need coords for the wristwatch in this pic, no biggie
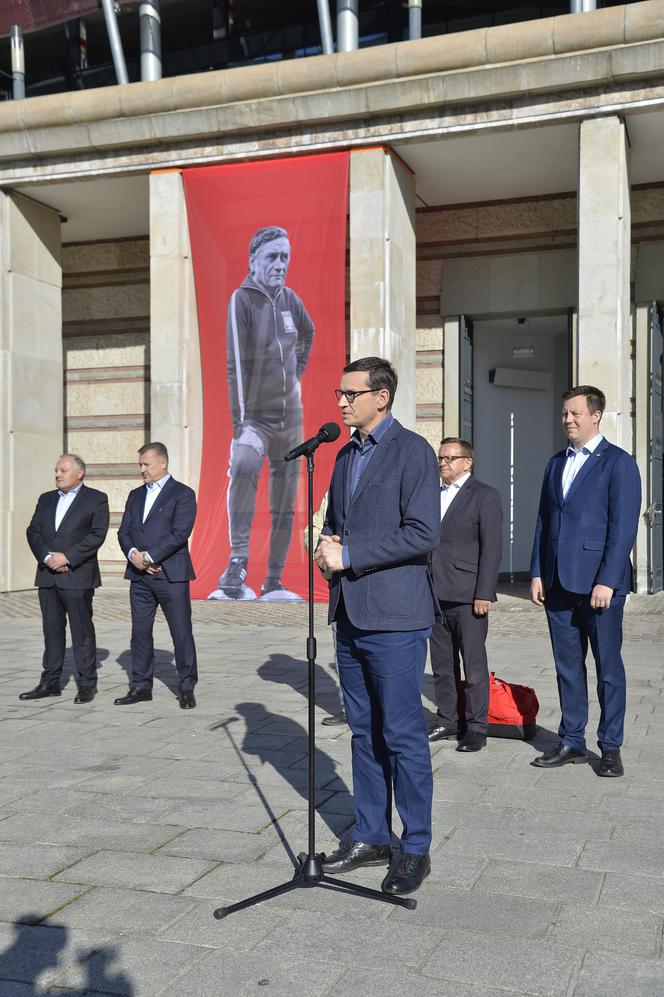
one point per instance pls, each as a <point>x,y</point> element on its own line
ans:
<point>147,560</point>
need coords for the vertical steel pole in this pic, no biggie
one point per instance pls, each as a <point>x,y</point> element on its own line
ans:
<point>326,42</point>
<point>414,18</point>
<point>18,62</point>
<point>347,25</point>
<point>581,6</point>
<point>150,22</point>
<point>115,41</point>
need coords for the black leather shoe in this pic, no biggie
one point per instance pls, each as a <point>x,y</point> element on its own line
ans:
<point>85,695</point>
<point>134,696</point>
<point>560,755</point>
<point>336,720</point>
<point>611,765</point>
<point>472,740</point>
<point>442,733</point>
<point>353,854</point>
<point>41,692</point>
<point>408,875</point>
<point>187,700</point>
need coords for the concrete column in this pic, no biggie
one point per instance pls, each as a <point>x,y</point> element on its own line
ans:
<point>382,268</point>
<point>31,379</point>
<point>176,391</point>
<point>604,321</point>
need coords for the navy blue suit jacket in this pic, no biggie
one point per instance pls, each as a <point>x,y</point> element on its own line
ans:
<point>588,536</point>
<point>390,525</point>
<point>79,536</point>
<point>165,532</point>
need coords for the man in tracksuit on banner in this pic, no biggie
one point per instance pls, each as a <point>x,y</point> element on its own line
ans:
<point>269,339</point>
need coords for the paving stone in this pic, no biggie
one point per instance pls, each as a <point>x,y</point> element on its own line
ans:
<point>343,935</point>
<point>90,835</point>
<point>359,982</point>
<point>541,882</point>
<point>459,872</point>
<point>129,966</point>
<point>29,901</point>
<point>238,977</point>
<point>479,913</point>
<point>604,928</point>
<point>221,846</point>
<point>621,856</point>
<point>514,845</point>
<point>119,911</point>
<point>37,861</point>
<point>642,893</point>
<point>162,873</point>
<point>39,955</point>
<point>605,973</point>
<point>239,932</point>
<point>250,819</point>
<point>575,826</point>
<point>504,963</point>
<point>632,807</point>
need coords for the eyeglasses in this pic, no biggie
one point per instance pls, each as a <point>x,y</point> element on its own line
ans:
<point>350,396</point>
<point>452,458</point>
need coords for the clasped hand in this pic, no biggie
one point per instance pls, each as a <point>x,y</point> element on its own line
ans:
<point>138,563</point>
<point>57,562</point>
<point>328,554</point>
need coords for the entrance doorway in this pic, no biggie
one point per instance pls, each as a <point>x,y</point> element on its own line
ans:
<point>521,367</point>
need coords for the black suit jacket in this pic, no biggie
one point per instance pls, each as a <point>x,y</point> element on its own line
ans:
<point>466,562</point>
<point>79,537</point>
<point>165,532</point>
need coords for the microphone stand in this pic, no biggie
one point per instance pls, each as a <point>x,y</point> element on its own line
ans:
<point>309,871</point>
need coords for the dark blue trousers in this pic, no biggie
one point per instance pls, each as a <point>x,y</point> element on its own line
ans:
<point>145,595</point>
<point>381,677</point>
<point>573,624</point>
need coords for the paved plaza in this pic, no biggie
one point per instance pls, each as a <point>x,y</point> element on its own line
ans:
<point>122,829</point>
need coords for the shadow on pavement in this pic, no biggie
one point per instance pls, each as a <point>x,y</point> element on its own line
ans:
<point>68,669</point>
<point>164,668</point>
<point>36,949</point>
<point>256,743</point>
<point>286,670</point>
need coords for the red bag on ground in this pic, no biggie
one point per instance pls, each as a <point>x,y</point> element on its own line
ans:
<point>512,709</point>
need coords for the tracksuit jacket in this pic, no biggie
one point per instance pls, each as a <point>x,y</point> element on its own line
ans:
<point>268,346</point>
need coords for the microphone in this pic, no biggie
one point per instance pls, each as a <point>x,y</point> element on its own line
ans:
<point>326,434</point>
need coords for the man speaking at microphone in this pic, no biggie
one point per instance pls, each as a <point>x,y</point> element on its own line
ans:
<point>382,521</point>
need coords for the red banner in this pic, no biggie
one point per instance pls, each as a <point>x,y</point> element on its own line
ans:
<point>269,250</point>
<point>32,15</point>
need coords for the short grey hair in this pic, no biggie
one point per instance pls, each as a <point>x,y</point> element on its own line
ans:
<point>78,461</point>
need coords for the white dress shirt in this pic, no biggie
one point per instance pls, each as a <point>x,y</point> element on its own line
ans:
<point>62,508</point>
<point>152,493</point>
<point>449,492</point>
<point>64,504</point>
<point>576,459</point>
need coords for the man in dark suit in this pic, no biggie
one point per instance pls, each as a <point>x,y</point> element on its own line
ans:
<point>581,573</point>
<point>382,521</point>
<point>68,528</point>
<point>154,532</point>
<point>465,567</point>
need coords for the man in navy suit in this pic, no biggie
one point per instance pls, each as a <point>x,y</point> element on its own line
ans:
<point>382,520</point>
<point>154,533</point>
<point>68,528</point>
<point>581,573</point>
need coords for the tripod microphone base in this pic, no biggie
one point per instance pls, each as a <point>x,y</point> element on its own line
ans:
<point>310,873</point>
